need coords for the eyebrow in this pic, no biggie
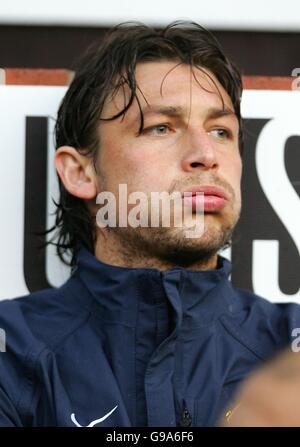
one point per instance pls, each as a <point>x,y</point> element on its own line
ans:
<point>163,110</point>
<point>212,113</point>
<point>219,113</point>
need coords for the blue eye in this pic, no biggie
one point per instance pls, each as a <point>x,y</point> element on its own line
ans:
<point>222,133</point>
<point>160,129</point>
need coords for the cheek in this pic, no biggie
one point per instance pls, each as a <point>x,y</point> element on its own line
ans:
<point>237,175</point>
<point>139,170</point>
<point>148,173</point>
<point>233,176</point>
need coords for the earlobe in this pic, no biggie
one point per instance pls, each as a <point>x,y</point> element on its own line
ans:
<point>75,172</point>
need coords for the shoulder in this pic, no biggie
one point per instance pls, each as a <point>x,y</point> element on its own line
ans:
<point>45,317</point>
<point>261,324</point>
<point>32,328</point>
<point>263,308</point>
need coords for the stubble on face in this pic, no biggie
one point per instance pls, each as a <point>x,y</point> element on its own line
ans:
<point>166,247</point>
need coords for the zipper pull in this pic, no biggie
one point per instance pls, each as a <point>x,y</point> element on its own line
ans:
<point>186,419</point>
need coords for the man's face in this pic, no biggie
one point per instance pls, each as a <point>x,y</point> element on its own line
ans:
<point>186,142</point>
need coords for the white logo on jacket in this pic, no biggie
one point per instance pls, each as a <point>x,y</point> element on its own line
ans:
<point>96,421</point>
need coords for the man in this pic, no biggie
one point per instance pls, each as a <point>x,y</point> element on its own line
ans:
<point>148,330</point>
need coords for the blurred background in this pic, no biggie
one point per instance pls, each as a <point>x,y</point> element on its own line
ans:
<point>262,37</point>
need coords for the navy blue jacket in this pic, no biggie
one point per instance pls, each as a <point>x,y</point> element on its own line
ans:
<point>117,346</point>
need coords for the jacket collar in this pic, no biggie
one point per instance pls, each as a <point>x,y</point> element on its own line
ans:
<point>197,297</point>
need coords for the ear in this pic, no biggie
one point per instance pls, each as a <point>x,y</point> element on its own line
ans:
<point>76,172</point>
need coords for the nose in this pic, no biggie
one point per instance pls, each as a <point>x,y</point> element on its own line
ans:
<point>200,152</point>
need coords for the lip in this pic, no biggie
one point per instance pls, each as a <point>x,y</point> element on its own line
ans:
<point>209,190</point>
<point>214,199</point>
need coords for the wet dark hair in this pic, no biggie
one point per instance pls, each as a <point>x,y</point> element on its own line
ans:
<point>105,68</point>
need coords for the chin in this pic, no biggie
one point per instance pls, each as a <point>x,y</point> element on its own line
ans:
<point>175,248</point>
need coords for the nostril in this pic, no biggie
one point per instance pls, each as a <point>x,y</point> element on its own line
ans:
<point>196,164</point>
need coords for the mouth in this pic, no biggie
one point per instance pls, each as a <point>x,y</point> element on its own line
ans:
<point>210,198</point>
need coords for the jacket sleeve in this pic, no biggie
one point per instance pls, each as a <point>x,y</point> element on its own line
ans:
<point>9,416</point>
<point>15,387</point>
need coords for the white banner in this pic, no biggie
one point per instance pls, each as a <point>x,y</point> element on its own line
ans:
<point>268,251</point>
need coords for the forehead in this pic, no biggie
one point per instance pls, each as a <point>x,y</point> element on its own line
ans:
<point>170,83</point>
